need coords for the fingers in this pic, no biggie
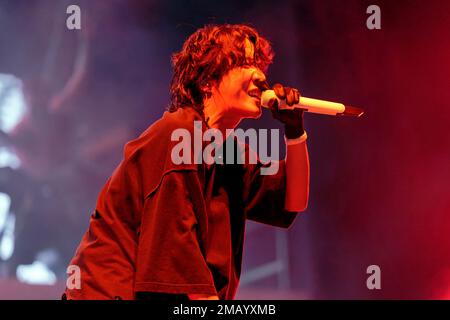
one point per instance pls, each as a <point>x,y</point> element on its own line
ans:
<point>279,91</point>
<point>297,95</point>
<point>291,95</point>
<point>292,118</point>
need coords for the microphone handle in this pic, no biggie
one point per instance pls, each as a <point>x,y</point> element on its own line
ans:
<point>313,105</point>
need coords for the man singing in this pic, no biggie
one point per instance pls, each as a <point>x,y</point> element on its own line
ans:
<point>162,230</point>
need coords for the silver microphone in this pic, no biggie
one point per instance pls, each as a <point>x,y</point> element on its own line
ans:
<point>312,105</point>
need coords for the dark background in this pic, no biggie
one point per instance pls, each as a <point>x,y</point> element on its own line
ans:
<point>379,184</point>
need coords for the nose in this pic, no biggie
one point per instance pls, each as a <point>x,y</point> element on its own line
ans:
<point>259,76</point>
<point>259,79</point>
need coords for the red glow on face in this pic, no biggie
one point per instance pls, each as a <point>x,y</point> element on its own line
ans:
<point>236,94</point>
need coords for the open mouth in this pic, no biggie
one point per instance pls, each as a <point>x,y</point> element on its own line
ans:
<point>255,93</point>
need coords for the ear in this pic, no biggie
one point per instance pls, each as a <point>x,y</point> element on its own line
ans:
<point>207,87</point>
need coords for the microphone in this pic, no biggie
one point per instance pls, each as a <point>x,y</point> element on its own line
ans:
<point>312,105</point>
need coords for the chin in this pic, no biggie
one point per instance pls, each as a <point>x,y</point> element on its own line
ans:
<point>252,112</point>
<point>256,114</point>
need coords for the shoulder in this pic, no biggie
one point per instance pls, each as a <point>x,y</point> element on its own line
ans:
<point>158,135</point>
<point>182,118</point>
<point>150,155</point>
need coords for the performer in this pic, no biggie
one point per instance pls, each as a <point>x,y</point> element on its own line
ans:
<point>175,231</point>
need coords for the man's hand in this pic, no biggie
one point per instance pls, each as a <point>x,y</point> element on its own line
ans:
<point>292,119</point>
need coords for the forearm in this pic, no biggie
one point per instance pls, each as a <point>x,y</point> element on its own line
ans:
<point>297,175</point>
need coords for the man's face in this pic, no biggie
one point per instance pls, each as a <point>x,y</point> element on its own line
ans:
<point>238,92</point>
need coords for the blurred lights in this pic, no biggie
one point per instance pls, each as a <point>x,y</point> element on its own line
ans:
<point>7,240</point>
<point>7,224</point>
<point>5,203</point>
<point>8,158</point>
<point>36,273</point>
<point>12,102</point>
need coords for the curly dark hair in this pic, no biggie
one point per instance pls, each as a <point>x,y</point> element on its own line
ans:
<point>207,55</point>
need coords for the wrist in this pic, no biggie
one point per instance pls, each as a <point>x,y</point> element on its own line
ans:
<point>291,142</point>
<point>293,132</point>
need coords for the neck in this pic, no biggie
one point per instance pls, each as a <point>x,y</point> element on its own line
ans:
<point>217,117</point>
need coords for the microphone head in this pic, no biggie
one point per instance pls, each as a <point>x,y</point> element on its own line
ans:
<point>266,96</point>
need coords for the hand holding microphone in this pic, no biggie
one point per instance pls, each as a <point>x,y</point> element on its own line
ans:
<point>287,105</point>
<point>292,118</point>
<point>307,104</point>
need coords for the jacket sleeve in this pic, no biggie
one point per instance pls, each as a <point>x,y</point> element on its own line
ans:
<point>170,257</point>
<point>264,195</point>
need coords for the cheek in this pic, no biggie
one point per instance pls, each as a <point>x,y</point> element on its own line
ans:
<point>235,90</point>
<point>234,87</point>
<point>239,80</point>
